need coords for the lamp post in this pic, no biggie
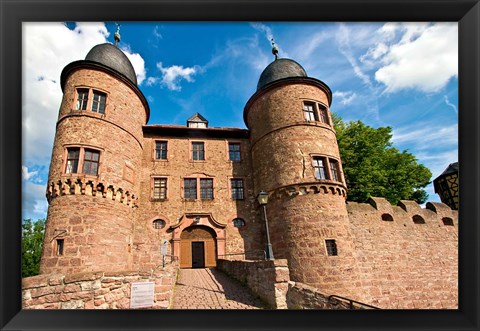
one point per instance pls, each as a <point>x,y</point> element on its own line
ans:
<point>263,200</point>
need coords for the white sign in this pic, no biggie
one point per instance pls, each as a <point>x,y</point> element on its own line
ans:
<point>163,249</point>
<point>142,295</point>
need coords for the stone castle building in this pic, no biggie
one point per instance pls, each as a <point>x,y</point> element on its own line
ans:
<point>120,189</point>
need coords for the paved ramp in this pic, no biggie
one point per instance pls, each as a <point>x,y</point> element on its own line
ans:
<point>211,289</point>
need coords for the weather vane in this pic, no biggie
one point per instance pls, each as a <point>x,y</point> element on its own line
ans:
<point>274,49</point>
<point>117,34</point>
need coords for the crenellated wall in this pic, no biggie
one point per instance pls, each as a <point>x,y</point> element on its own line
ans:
<point>407,255</point>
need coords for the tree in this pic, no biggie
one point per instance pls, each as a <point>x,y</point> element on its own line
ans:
<point>32,240</point>
<point>372,167</point>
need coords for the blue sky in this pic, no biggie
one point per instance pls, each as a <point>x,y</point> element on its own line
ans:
<point>402,75</point>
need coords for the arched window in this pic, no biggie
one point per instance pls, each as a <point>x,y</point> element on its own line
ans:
<point>387,218</point>
<point>447,221</point>
<point>417,219</point>
<point>159,224</point>
<point>238,223</point>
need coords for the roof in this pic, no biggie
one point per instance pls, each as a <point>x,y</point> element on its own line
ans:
<point>112,57</point>
<point>279,69</point>
<point>181,131</point>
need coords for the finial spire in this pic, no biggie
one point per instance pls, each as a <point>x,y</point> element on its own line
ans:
<point>116,36</point>
<point>274,49</point>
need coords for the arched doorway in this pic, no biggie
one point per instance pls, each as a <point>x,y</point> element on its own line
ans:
<point>198,247</point>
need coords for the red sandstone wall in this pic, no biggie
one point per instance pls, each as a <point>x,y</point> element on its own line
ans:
<point>95,239</point>
<point>94,214</point>
<point>403,264</point>
<point>223,208</point>
<point>101,290</point>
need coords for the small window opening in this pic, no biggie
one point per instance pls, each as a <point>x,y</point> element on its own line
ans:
<point>447,221</point>
<point>331,247</point>
<point>238,223</point>
<point>60,243</point>
<point>159,224</point>
<point>417,219</point>
<point>387,218</point>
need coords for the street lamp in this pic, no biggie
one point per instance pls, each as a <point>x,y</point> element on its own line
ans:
<point>263,200</point>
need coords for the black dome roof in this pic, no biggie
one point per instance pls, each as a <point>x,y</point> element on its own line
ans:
<point>278,69</point>
<point>112,57</point>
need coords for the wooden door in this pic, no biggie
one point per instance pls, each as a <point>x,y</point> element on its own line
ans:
<point>185,254</point>
<point>198,254</point>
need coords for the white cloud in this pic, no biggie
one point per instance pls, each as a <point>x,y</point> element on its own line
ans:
<point>447,101</point>
<point>26,175</point>
<point>173,75</point>
<point>267,31</point>
<point>345,98</point>
<point>156,32</point>
<point>345,47</point>
<point>34,202</point>
<point>138,64</point>
<point>426,136</point>
<point>425,58</point>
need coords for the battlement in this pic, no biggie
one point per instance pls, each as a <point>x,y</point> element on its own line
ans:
<point>408,213</point>
<point>325,187</point>
<point>86,186</point>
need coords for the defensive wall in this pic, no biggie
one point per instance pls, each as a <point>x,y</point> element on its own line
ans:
<point>96,290</point>
<point>407,256</point>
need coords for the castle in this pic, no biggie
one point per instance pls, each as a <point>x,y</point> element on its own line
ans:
<point>120,189</point>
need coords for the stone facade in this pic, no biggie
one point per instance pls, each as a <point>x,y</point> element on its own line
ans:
<point>139,205</point>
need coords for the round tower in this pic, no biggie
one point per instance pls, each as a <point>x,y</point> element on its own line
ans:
<point>92,180</point>
<point>296,160</point>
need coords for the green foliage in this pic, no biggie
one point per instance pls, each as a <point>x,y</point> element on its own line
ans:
<point>372,167</point>
<point>32,240</point>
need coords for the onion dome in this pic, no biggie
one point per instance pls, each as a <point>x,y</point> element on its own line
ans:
<point>279,69</point>
<point>112,57</point>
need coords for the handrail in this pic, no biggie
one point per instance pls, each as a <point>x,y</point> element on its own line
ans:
<point>335,300</point>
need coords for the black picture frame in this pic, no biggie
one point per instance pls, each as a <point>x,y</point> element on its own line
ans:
<point>13,13</point>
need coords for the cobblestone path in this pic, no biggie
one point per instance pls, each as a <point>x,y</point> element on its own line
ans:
<point>211,289</point>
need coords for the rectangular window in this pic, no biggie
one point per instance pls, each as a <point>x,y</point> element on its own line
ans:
<point>198,151</point>
<point>206,188</point>
<point>190,188</point>
<point>160,150</point>
<point>309,111</point>
<point>160,188</point>
<point>60,243</point>
<point>323,114</point>
<point>90,162</point>
<point>234,152</point>
<point>237,189</point>
<point>99,100</point>
<point>73,155</point>
<point>334,170</point>
<point>331,247</point>
<point>82,99</point>
<point>319,165</point>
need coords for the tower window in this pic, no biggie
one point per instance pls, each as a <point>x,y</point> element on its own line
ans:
<point>198,151</point>
<point>238,223</point>
<point>234,151</point>
<point>206,188</point>
<point>190,188</point>
<point>73,156</point>
<point>319,165</point>
<point>60,243</point>
<point>334,170</point>
<point>447,221</point>
<point>323,114</point>
<point>159,188</point>
<point>99,101</point>
<point>309,111</point>
<point>237,189</point>
<point>82,99</point>
<point>90,164</point>
<point>331,247</point>
<point>160,150</point>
